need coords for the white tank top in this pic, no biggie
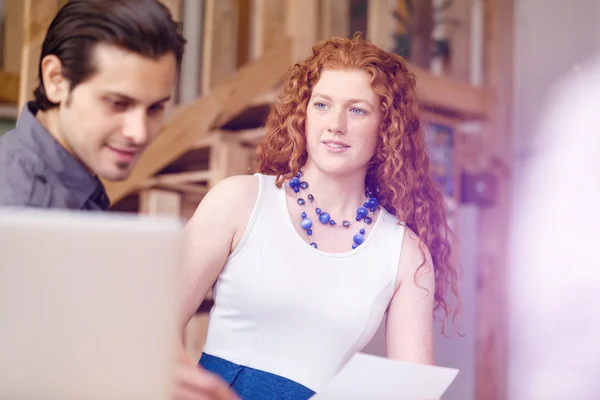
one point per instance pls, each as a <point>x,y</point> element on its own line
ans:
<point>284,307</point>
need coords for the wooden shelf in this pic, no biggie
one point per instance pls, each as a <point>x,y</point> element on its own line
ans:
<point>453,97</point>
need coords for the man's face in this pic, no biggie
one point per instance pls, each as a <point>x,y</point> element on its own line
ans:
<point>108,120</point>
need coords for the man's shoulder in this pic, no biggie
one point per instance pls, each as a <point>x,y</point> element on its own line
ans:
<point>23,177</point>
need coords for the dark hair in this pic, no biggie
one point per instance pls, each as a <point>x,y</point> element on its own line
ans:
<point>145,27</point>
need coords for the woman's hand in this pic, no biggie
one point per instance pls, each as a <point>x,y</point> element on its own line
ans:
<point>192,382</point>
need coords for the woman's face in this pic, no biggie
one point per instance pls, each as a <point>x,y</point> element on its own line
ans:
<point>342,121</point>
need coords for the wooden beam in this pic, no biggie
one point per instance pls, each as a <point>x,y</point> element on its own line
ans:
<point>228,158</point>
<point>178,178</point>
<point>381,25</point>
<point>160,202</point>
<point>254,80</point>
<point>302,26</point>
<point>267,98</point>
<point>194,190</point>
<point>205,141</point>
<point>447,94</point>
<point>227,99</point>
<point>9,87</point>
<point>189,190</point>
<point>493,262</point>
<point>37,16</point>
<point>13,36</point>
<point>267,24</point>
<point>421,35</point>
<point>334,19</point>
<point>246,136</point>
<point>460,39</point>
<point>219,55</point>
<point>244,31</point>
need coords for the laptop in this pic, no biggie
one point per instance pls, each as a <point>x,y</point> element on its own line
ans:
<point>88,305</point>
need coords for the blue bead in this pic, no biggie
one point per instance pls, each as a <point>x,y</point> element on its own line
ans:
<point>362,212</point>
<point>354,245</point>
<point>345,223</point>
<point>296,189</point>
<point>295,183</point>
<point>306,223</point>
<point>373,203</point>
<point>366,205</point>
<point>358,217</point>
<point>304,185</point>
<point>368,220</point>
<point>301,202</point>
<point>299,174</point>
<point>313,244</point>
<point>358,238</point>
<point>311,198</point>
<point>332,222</point>
<point>324,217</point>
<point>318,210</point>
<point>362,231</point>
<point>303,215</point>
<point>309,232</point>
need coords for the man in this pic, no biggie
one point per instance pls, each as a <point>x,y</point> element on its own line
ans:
<point>106,72</point>
<point>107,69</point>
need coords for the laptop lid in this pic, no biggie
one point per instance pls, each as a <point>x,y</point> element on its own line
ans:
<point>88,305</point>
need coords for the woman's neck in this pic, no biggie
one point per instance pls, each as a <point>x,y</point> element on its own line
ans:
<point>339,195</point>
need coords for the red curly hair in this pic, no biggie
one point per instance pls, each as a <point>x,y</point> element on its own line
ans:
<point>398,172</point>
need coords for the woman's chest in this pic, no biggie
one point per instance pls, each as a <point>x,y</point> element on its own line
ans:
<point>285,284</point>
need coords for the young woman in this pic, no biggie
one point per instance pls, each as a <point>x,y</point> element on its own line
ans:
<point>342,227</point>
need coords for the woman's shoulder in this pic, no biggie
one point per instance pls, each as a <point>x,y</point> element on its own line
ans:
<point>412,247</point>
<point>392,219</point>
<point>239,194</point>
<point>235,191</point>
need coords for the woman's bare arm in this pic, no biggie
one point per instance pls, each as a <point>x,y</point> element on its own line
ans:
<point>409,327</point>
<point>211,234</point>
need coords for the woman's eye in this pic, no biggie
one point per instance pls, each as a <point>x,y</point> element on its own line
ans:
<point>358,111</point>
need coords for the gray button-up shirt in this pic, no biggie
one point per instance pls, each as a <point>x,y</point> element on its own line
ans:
<point>36,171</point>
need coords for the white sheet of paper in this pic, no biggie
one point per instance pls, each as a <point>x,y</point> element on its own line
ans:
<point>370,377</point>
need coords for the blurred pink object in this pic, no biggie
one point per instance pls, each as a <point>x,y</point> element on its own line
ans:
<point>555,272</point>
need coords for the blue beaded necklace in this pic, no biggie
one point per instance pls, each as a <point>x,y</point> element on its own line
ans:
<point>363,212</point>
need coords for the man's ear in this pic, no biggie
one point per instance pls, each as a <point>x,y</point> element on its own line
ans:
<point>55,84</point>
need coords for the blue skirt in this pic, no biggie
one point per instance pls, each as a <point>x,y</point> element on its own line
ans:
<point>253,384</point>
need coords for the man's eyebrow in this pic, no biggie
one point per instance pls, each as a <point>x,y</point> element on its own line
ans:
<point>163,100</point>
<point>132,100</point>
<point>119,95</point>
